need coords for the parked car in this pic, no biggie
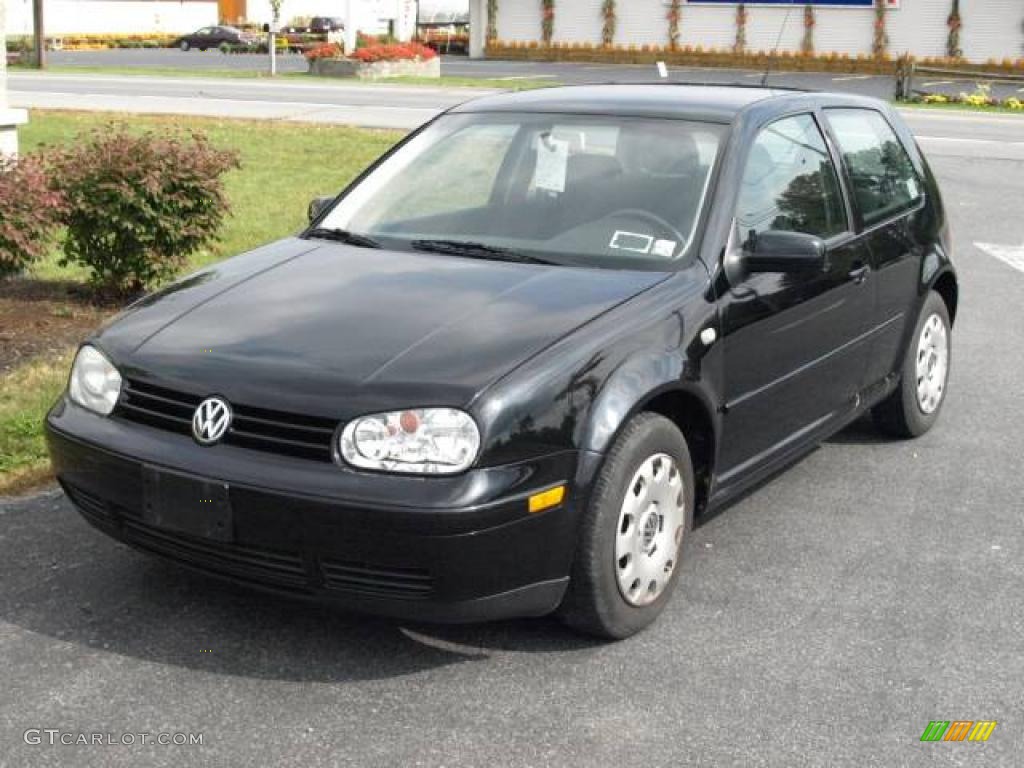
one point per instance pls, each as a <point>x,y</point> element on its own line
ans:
<point>214,37</point>
<point>324,24</point>
<point>630,305</point>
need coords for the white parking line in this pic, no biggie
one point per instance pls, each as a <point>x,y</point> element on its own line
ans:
<point>937,82</point>
<point>852,77</point>
<point>1010,254</point>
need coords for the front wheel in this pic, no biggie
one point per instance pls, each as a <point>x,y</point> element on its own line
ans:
<point>633,531</point>
<point>184,45</point>
<point>913,408</point>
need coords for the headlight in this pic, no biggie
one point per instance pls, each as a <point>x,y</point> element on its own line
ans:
<point>95,384</point>
<point>417,441</point>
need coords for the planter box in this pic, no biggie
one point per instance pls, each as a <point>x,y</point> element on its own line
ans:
<point>376,70</point>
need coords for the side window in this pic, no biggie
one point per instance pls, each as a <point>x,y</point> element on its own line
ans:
<point>790,182</point>
<point>883,179</point>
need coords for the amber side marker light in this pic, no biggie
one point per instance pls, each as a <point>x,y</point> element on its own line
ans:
<point>547,499</point>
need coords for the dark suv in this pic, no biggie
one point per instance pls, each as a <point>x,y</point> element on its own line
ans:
<point>323,24</point>
<point>504,371</point>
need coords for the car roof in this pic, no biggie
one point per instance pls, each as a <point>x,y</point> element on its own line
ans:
<point>710,103</point>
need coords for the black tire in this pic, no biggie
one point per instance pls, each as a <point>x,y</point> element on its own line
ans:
<point>593,603</point>
<point>184,45</point>
<point>900,414</point>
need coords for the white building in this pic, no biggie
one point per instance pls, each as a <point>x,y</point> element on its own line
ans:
<point>992,29</point>
<point>67,17</point>
<point>10,119</point>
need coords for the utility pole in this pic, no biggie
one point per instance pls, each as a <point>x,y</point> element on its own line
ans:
<point>273,50</point>
<point>38,34</point>
<point>275,26</point>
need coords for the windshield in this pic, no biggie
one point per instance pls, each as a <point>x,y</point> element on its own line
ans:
<point>578,190</point>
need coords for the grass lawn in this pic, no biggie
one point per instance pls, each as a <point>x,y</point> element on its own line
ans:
<point>284,165</point>
<point>25,397</point>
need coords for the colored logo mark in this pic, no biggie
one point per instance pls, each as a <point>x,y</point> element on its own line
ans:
<point>958,730</point>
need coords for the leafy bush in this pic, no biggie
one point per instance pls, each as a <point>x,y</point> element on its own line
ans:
<point>29,213</point>
<point>138,205</point>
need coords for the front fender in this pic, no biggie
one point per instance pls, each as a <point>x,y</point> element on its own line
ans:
<point>639,379</point>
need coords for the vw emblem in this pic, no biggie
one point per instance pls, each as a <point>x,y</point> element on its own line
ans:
<point>211,420</point>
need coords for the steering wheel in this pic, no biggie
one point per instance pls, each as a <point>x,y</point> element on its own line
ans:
<point>653,218</point>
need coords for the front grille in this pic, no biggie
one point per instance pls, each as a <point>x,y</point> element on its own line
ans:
<point>259,566</point>
<point>93,508</point>
<point>413,583</point>
<point>283,570</point>
<point>258,429</point>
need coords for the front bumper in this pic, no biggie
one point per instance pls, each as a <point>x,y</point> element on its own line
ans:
<point>444,549</point>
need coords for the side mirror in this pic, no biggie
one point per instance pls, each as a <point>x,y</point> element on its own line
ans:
<point>317,206</point>
<point>778,251</point>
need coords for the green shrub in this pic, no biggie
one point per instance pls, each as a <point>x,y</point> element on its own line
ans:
<point>29,213</point>
<point>138,205</point>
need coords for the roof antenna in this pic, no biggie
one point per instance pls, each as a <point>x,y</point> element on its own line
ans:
<point>778,42</point>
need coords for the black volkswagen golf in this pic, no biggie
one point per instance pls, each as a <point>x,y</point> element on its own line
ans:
<point>506,369</point>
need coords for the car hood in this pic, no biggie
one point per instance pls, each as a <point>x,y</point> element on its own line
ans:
<point>332,330</point>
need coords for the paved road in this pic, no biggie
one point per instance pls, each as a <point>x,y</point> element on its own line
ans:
<point>172,58</point>
<point>823,620</point>
<point>390,106</point>
<point>571,73</point>
<point>386,106</point>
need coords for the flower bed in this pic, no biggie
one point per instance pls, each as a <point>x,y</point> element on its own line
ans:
<point>374,60</point>
<point>92,42</point>
<point>980,97</point>
<point>710,57</point>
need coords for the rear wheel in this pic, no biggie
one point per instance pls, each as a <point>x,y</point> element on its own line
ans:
<point>914,407</point>
<point>633,531</point>
<point>184,45</point>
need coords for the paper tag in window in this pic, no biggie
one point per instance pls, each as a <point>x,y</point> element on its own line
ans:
<point>631,241</point>
<point>552,163</point>
<point>664,248</point>
<point>912,188</point>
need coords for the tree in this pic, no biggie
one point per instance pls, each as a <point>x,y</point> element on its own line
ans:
<point>954,22</point>
<point>674,15</point>
<point>609,23</point>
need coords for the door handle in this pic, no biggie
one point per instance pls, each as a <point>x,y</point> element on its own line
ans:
<point>859,274</point>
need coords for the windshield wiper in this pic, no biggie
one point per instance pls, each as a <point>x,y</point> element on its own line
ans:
<point>343,236</point>
<point>475,251</point>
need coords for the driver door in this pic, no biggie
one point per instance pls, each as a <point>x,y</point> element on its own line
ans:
<point>794,347</point>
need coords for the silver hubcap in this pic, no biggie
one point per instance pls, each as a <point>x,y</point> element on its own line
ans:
<point>650,530</point>
<point>932,363</point>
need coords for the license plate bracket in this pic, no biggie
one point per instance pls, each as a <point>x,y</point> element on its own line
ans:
<point>187,504</point>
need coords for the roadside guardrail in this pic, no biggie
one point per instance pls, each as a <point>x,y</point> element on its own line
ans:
<point>906,74</point>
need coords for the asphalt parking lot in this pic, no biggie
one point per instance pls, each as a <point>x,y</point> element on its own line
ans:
<point>823,620</point>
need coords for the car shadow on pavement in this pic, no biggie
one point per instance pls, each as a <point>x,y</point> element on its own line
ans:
<point>861,432</point>
<point>63,580</point>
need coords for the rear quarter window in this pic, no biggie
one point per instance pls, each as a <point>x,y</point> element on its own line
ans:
<point>882,177</point>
